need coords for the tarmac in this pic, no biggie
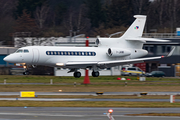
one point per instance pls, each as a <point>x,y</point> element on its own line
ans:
<point>82,113</point>
<point>83,99</point>
<point>90,99</point>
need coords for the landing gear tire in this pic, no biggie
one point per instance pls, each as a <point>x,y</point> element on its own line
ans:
<point>77,74</point>
<point>95,74</point>
<point>25,73</point>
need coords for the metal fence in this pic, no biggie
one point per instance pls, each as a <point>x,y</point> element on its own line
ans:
<point>161,35</point>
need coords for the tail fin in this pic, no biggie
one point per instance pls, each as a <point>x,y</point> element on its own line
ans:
<point>137,27</point>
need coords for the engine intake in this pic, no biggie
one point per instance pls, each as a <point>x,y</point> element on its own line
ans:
<point>116,52</point>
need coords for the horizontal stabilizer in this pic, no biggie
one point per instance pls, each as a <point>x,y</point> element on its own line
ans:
<point>146,39</point>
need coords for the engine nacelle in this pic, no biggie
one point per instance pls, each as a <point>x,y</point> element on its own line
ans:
<point>118,52</point>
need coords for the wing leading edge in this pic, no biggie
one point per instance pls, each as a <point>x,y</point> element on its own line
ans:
<point>108,63</point>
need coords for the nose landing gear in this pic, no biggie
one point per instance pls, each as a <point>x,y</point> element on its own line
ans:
<point>26,72</point>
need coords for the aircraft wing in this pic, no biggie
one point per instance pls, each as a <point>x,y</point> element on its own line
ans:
<point>81,63</point>
<point>124,62</point>
<point>105,64</point>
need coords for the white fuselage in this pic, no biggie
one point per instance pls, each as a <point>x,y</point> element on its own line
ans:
<point>51,55</point>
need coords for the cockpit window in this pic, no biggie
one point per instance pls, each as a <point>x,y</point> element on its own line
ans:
<point>22,51</point>
<point>19,51</point>
<point>26,51</point>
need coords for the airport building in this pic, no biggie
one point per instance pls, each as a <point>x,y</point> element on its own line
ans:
<point>169,65</point>
<point>4,66</point>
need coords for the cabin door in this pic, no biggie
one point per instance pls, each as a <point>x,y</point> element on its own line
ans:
<point>35,56</point>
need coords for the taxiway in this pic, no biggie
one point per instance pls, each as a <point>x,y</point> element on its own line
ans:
<point>82,113</point>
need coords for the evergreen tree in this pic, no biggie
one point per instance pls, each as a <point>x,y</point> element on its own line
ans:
<point>60,10</point>
<point>120,13</point>
<point>95,12</point>
<point>26,24</point>
<point>29,6</point>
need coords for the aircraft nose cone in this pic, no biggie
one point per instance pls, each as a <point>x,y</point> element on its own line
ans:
<point>7,59</point>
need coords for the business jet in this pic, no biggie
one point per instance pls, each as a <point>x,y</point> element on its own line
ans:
<point>109,52</point>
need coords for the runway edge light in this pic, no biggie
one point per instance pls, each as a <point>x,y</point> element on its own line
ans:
<point>110,110</point>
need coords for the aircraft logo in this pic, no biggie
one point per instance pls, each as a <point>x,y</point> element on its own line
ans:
<point>137,27</point>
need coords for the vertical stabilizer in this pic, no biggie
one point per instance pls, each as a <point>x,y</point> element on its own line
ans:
<point>137,27</point>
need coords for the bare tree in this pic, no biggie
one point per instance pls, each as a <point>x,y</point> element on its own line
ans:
<point>81,21</point>
<point>175,12</point>
<point>6,7</point>
<point>161,12</point>
<point>6,20</point>
<point>75,20</point>
<point>41,14</point>
<point>139,5</point>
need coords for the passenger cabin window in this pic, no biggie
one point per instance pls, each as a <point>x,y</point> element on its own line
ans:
<point>26,51</point>
<point>19,51</point>
<point>70,53</point>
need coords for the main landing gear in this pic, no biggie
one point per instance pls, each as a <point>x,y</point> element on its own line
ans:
<point>95,74</point>
<point>77,74</point>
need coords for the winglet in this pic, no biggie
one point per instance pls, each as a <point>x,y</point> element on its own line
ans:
<point>171,52</point>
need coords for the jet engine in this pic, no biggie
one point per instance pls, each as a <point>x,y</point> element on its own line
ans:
<point>117,52</point>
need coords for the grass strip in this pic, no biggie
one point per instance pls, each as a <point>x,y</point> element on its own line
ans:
<point>88,104</point>
<point>65,79</point>
<point>86,88</point>
<point>100,96</point>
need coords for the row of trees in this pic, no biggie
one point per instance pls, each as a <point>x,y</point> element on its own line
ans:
<point>90,17</point>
